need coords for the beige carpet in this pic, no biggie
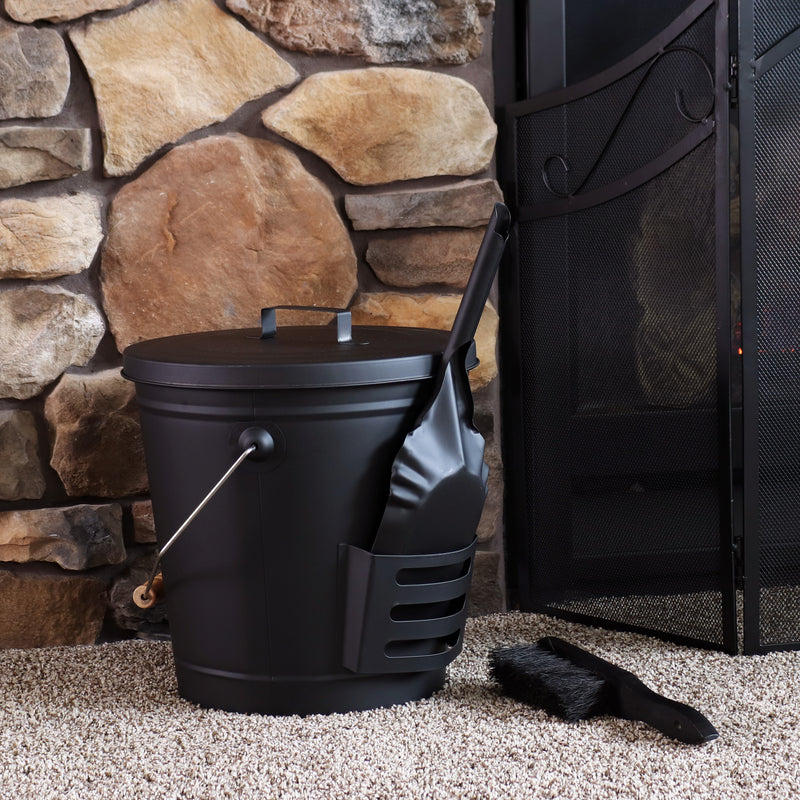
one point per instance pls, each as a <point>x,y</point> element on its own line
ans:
<point>106,722</point>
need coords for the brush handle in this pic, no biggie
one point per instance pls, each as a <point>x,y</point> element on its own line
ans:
<point>629,698</point>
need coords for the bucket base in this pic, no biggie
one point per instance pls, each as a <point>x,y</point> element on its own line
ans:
<point>318,694</point>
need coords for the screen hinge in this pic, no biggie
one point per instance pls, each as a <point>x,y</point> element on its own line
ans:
<point>738,558</point>
<point>733,79</point>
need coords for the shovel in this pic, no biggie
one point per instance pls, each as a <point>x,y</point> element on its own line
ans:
<point>438,480</point>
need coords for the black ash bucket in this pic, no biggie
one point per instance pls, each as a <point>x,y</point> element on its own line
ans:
<point>276,604</point>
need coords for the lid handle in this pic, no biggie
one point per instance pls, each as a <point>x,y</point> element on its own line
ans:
<point>344,322</point>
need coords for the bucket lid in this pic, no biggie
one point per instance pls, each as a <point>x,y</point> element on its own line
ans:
<point>296,356</point>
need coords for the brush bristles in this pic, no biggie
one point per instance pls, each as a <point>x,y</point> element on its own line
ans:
<point>542,679</point>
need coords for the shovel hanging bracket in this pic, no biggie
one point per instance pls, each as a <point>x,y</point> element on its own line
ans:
<point>404,613</point>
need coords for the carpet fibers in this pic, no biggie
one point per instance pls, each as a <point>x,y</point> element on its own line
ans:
<point>107,722</point>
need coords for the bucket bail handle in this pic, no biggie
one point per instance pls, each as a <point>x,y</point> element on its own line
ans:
<point>344,323</point>
<point>257,444</point>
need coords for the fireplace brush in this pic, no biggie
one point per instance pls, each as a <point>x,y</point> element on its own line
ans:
<point>570,683</point>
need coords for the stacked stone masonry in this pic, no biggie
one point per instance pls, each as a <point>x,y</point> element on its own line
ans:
<point>168,166</point>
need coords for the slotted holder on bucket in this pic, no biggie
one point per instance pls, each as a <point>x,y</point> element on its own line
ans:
<point>404,613</point>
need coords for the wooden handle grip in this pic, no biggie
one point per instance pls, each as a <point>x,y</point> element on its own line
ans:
<point>143,600</point>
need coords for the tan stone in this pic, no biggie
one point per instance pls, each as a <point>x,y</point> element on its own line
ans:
<point>168,68</point>
<point>467,204</point>
<point>492,515</point>
<point>388,123</point>
<point>44,330</point>
<point>216,230</point>
<point>431,311</point>
<point>400,32</point>
<point>420,259</point>
<point>96,439</point>
<point>44,609</point>
<point>144,527</point>
<point>42,154</point>
<point>74,537</point>
<point>49,236</point>
<point>21,473</point>
<point>34,71</point>
<point>57,10</point>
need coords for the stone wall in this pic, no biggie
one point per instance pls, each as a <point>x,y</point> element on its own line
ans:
<point>175,165</point>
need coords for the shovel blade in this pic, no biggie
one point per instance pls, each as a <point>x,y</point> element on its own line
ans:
<point>439,479</point>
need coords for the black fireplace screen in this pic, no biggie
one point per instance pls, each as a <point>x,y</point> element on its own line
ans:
<point>770,139</point>
<point>627,345</point>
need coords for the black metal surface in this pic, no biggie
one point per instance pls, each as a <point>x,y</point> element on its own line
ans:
<point>770,172</point>
<point>546,44</point>
<point>254,593</point>
<point>601,33</point>
<point>404,613</point>
<point>297,356</point>
<point>772,20</point>
<point>623,490</point>
<point>344,321</point>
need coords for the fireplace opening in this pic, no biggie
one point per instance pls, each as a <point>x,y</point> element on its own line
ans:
<point>650,318</point>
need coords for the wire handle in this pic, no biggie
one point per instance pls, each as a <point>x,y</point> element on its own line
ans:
<point>142,595</point>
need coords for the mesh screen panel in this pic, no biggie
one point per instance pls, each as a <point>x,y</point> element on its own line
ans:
<point>773,19</point>
<point>639,536</point>
<point>618,335</point>
<point>777,175</point>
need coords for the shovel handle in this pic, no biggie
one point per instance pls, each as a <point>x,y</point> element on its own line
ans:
<point>480,282</point>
